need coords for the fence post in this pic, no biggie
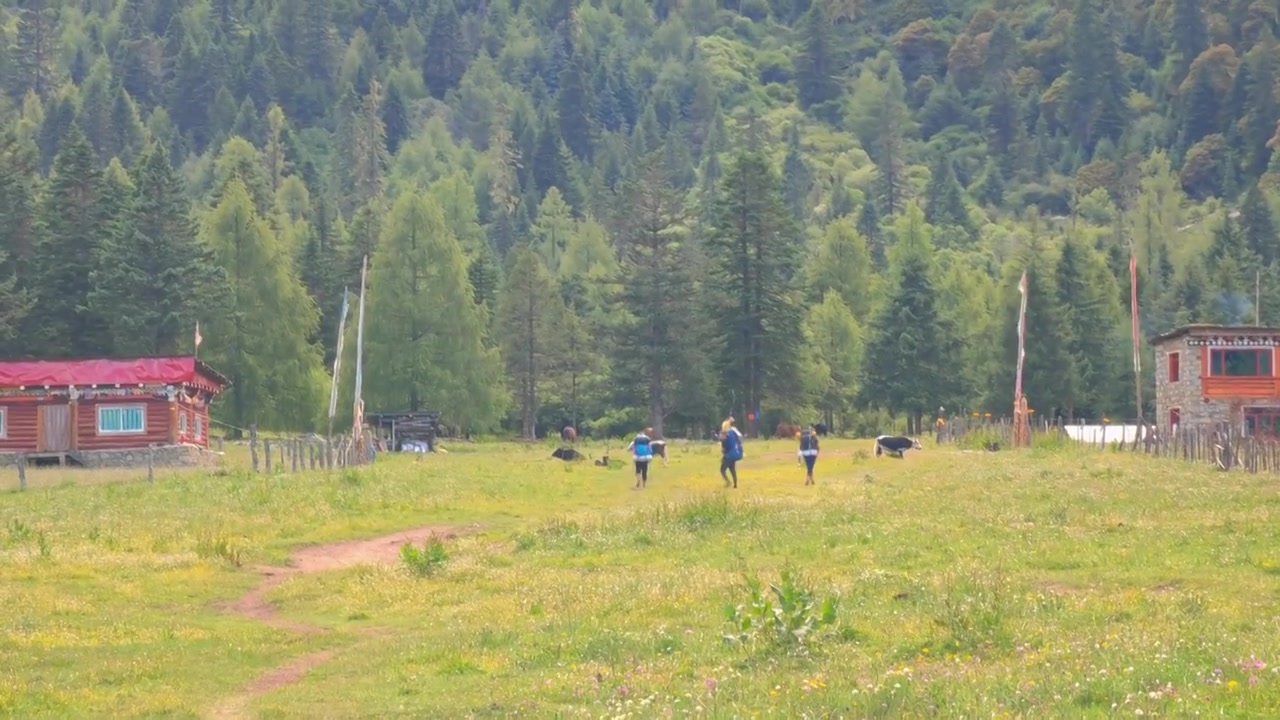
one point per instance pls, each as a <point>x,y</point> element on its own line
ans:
<point>22,472</point>
<point>311,453</point>
<point>219,444</point>
<point>151,463</point>
<point>266,447</point>
<point>293,455</point>
<point>253,446</point>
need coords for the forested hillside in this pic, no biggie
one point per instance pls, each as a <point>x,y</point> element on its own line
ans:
<point>616,210</point>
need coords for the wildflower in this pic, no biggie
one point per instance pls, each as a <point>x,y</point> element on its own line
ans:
<point>710,684</point>
<point>1232,685</point>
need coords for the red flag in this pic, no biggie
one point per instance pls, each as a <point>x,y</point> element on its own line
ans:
<point>1022,336</point>
<point>1133,315</point>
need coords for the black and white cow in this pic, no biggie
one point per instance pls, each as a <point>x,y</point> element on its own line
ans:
<point>895,445</point>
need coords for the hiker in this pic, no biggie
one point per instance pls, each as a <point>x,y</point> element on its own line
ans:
<point>731,452</point>
<point>808,452</point>
<point>642,449</point>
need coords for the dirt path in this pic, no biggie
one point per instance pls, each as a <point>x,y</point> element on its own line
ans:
<point>310,559</point>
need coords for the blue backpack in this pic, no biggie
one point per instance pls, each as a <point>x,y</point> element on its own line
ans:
<point>643,448</point>
<point>732,444</point>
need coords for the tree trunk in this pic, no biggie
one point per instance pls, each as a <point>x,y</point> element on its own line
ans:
<point>656,411</point>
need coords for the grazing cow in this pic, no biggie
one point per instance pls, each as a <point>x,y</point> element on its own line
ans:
<point>821,429</point>
<point>660,450</point>
<point>786,430</point>
<point>567,454</point>
<point>568,434</point>
<point>895,445</point>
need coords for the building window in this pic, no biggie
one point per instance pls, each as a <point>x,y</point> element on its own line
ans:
<point>1175,366</point>
<point>120,419</point>
<point>199,427</point>
<point>1175,416</point>
<point>1252,362</point>
<point>1262,422</point>
<point>4,423</point>
<point>182,423</point>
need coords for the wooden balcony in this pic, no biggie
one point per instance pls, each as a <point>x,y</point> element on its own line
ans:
<point>1244,388</point>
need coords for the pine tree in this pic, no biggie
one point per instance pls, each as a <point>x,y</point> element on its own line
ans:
<point>575,107</point>
<point>371,158</point>
<point>945,197</point>
<point>838,343</point>
<point>260,341</point>
<point>842,266</point>
<point>529,312</point>
<point>1086,298</point>
<point>61,323</point>
<point>909,331</point>
<point>446,58</point>
<point>34,59</point>
<point>428,345</point>
<point>658,353</point>
<point>1258,224</point>
<point>754,256</point>
<point>158,278</point>
<point>816,67</point>
<point>1190,35</point>
<point>395,119</point>
<point>797,176</point>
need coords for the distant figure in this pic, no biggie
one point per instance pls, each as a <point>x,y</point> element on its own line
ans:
<point>731,452</point>
<point>569,435</point>
<point>821,429</point>
<point>895,445</point>
<point>642,452</point>
<point>809,452</point>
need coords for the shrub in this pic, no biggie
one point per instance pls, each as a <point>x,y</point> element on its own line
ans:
<point>785,619</point>
<point>426,561</point>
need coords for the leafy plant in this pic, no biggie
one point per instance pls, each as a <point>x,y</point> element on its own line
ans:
<point>425,561</point>
<point>787,617</point>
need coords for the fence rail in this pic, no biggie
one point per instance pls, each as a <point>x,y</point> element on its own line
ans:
<point>1220,446</point>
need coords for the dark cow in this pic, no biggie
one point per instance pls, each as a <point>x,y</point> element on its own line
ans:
<point>567,454</point>
<point>895,445</point>
<point>821,429</point>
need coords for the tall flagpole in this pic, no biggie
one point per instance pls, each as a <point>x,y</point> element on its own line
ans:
<point>357,425</point>
<point>337,360</point>
<point>1021,427</point>
<point>1137,342</point>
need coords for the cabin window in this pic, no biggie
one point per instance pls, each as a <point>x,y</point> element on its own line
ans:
<point>1248,362</point>
<point>1262,422</point>
<point>182,423</point>
<point>1175,366</point>
<point>4,424</point>
<point>199,427</point>
<point>116,419</point>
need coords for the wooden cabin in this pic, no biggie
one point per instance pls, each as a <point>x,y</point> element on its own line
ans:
<point>1211,375</point>
<point>61,407</point>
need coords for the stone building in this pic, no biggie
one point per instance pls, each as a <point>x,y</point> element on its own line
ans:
<point>1208,375</point>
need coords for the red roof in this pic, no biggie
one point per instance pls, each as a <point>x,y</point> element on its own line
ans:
<point>134,371</point>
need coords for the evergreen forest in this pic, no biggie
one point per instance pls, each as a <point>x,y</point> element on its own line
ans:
<point>622,213</point>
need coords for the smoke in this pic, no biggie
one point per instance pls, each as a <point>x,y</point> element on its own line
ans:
<point>1235,307</point>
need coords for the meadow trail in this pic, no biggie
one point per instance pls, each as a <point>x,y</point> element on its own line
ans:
<point>306,560</point>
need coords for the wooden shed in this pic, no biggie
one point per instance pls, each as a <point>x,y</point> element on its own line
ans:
<point>60,407</point>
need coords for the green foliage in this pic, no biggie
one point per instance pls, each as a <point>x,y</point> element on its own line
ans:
<point>787,617</point>
<point>1118,126</point>
<point>427,560</point>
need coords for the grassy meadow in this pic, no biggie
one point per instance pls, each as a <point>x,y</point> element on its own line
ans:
<point>1054,582</point>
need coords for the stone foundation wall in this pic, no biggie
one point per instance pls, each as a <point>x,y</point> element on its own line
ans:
<point>165,456</point>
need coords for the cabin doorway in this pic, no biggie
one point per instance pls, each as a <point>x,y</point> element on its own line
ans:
<point>55,428</point>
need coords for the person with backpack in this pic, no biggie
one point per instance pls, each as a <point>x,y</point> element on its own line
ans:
<point>731,452</point>
<point>808,452</point>
<point>642,452</point>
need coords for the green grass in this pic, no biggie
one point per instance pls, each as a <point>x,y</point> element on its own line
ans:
<point>1053,582</point>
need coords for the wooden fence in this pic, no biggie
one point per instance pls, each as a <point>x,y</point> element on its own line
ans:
<point>1220,446</point>
<point>309,452</point>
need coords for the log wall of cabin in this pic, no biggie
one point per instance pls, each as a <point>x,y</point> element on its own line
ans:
<point>156,424</point>
<point>19,426</point>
